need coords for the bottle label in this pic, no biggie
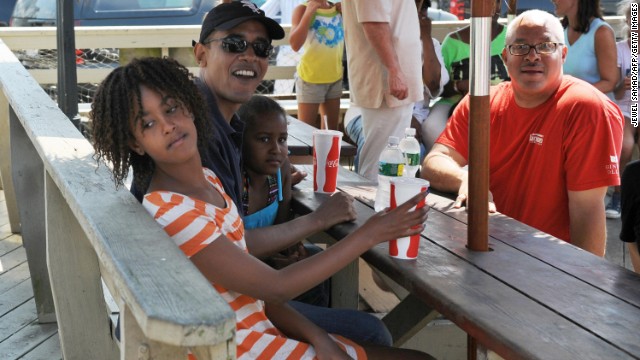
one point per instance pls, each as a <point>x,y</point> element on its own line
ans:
<point>388,169</point>
<point>412,159</point>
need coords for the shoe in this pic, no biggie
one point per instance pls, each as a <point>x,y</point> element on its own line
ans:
<point>612,211</point>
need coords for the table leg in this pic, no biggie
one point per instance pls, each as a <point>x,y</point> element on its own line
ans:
<point>407,318</point>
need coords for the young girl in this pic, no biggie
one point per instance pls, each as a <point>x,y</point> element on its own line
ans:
<point>149,115</point>
<point>316,26</point>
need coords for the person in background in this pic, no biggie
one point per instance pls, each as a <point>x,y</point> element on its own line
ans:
<point>286,56</point>
<point>316,27</point>
<point>590,42</point>
<point>383,54</point>
<point>434,77</point>
<point>555,141</point>
<point>622,95</point>
<point>150,115</point>
<point>456,53</point>
<point>630,231</point>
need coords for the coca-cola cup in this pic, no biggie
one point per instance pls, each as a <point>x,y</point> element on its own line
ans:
<point>326,159</point>
<point>401,190</point>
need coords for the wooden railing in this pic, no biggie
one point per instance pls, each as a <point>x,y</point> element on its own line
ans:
<point>174,41</point>
<point>79,231</point>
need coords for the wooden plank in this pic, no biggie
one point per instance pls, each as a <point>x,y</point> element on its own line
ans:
<point>609,277</point>
<point>14,277</point>
<point>407,318</point>
<point>5,166</point>
<point>304,133</point>
<point>17,319</point>
<point>379,300</point>
<point>29,334</point>
<point>48,350</point>
<point>9,244</point>
<point>76,284</point>
<point>15,296</point>
<point>12,260</point>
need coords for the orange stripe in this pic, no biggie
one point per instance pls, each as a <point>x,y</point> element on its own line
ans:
<point>360,353</point>
<point>253,319</point>
<point>241,301</point>
<point>299,350</point>
<point>248,343</point>
<point>193,245</point>
<point>181,222</point>
<point>272,349</point>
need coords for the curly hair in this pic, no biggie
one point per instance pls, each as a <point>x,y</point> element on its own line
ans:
<point>117,105</point>
<point>586,10</point>
<point>257,108</point>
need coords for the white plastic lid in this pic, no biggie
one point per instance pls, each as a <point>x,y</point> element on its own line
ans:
<point>410,131</point>
<point>393,140</point>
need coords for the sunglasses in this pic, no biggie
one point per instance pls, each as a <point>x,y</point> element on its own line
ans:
<point>237,45</point>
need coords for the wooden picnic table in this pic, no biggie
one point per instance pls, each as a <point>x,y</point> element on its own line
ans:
<point>300,139</point>
<point>531,297</point>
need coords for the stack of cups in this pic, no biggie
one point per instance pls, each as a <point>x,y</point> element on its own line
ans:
<point>403,189</point>
<point>326,160</point>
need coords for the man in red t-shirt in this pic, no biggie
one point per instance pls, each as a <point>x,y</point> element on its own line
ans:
<point>555,141</point>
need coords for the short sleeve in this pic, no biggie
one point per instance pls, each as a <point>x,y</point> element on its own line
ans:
<point>186,221</point>
<point>373,10</point>
<point>456,133</point>
<point>591,160</point>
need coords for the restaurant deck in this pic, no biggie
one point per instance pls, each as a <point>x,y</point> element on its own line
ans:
<point>21,337</point>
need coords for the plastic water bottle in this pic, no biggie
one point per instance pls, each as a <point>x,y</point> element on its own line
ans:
<point>391,164</point>
<point>411,150</point>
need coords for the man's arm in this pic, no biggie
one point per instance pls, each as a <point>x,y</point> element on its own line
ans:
<point>379,35</point>
<point>587,220</point>
<point>430,64</point>
<point>443,168</point>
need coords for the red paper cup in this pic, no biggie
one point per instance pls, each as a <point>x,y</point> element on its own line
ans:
<point>326,159</point>
<point>403,189</point>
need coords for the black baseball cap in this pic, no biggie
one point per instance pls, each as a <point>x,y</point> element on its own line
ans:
<point>229,15</point>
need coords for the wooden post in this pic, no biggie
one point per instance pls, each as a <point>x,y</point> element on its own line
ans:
<point>481,13</point>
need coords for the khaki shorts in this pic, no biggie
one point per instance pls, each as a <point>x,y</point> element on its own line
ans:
<point>309,93</point>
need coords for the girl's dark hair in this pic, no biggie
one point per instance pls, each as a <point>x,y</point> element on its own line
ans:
<point>256,108</point>
<point>117,106</point>
<point>586,10</point>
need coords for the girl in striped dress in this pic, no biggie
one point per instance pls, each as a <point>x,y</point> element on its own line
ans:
<point>149,115</point>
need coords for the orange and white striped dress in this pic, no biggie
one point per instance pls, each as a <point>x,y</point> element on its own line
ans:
<point>193,224</point>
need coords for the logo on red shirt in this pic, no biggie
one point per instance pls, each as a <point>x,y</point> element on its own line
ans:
<point>536,139</point>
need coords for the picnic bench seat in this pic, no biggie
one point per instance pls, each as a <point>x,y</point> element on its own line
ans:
<point>78,231</point>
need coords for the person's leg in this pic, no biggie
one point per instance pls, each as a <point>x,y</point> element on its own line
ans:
<point>308,113</point>
<point>353,129</point>
<point>380,353</point>
<point>355,325</point>
<point>378,125</point>
<point>331,105</point>
<point>331,108</point>
<point>435,122</point>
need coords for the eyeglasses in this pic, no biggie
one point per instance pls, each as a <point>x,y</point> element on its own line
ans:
<point>542,48</point>
<point>237,45</point>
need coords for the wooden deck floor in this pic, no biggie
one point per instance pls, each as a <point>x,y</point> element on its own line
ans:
<point>22,337</point>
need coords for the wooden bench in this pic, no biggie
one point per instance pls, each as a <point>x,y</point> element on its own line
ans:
<point>78,231</point>
<point>531,297</point>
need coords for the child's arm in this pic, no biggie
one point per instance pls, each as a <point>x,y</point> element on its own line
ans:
<point>300,22</point>
<point>294,325</point>
<point>226,264</point>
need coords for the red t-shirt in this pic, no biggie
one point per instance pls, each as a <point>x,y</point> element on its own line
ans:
<point>570,142</point>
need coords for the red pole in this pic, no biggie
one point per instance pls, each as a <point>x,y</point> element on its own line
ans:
<point>478,231</point>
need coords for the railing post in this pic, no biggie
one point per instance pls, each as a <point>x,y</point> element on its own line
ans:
<point>83,321</point>
<point>28,181</point>
<point>5,166</point>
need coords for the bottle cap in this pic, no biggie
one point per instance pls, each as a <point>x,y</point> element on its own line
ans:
<point>393,140</point>
<point>410,131</point>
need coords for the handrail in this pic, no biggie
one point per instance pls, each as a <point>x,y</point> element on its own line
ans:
<point>69,210</point>
<point>164,37</point>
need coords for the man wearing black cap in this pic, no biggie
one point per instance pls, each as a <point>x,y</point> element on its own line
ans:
<point>232,53</point>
